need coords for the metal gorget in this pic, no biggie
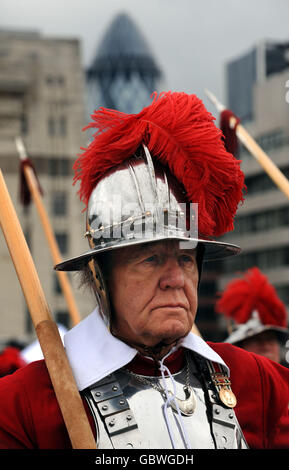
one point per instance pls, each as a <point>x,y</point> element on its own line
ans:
<point>186,405</point>
<point>129,413</point>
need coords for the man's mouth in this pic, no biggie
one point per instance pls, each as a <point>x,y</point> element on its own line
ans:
<point>171,306</point>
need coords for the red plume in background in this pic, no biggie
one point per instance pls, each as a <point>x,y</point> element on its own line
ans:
<point>252,292</point>
<point>180,133</point>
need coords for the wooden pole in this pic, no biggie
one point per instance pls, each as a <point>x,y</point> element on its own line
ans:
<point>62,276</point>
<point>262,158</point>
<point>62,378</point>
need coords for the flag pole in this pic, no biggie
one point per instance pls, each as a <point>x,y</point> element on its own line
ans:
<point>258,153</point>
<point>35,193</point>
<point>61,375</point>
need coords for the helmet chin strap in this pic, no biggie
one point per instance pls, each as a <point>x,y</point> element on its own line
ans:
<point>159,347</point>
<point>100,289</point>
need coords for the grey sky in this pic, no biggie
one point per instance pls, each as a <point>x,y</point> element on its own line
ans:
<point>191,39</point>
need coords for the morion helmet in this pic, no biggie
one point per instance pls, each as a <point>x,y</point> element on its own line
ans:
<point>159,174</point>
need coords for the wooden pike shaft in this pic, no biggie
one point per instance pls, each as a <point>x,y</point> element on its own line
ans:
<point>50,341</point>
<point>258,153</point>
<point>62,276</point>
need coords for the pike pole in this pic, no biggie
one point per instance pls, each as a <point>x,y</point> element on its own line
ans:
<point>35,193</point>
<point>61,375</point>
<point>262,158</point>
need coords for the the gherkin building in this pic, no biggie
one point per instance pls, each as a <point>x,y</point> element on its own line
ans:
<point>123,73</point>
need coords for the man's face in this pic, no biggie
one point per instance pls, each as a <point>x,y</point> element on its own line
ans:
<point>266,344</point>
<point>153,290</point>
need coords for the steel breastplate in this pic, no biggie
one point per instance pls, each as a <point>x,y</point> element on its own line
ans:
<point>129,413</point>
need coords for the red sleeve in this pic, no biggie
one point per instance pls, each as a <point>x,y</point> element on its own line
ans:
<point>29,413</point>
<point>275,384</point>
<point>16,424</point>
<point>30,417</point>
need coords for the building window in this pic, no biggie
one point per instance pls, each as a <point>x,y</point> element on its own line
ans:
<point>264,259</point>
<point>59,203</point>
<point>62,126</point>
<point>56,285</point>
<point>259,183</point>
<point>53,167</point>
<point>261,221</point>
<point>51,126</point>
<point>57,127</point>
<point>53,80</point>
<point>60,80</point>
<point>64,166</point>
<point>270,141</point>
<point>283,293</point>
<point>62,241</point>
<point>59,167</point>
<point>49,80</point>
<point>24,124</point>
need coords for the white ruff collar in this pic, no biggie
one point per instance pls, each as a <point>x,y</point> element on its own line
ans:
<point>93,352</point>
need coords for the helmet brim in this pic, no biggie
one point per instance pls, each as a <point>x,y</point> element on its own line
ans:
<point>213,250</point>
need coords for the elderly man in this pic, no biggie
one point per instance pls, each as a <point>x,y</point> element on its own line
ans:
<point>158,186</point>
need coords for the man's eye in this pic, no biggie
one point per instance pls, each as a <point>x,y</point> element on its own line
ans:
<point>151,259</point>
<point>187,259</point>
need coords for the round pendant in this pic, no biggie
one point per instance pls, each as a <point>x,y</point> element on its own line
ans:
<point>187,406</point>
<point>227,397</point>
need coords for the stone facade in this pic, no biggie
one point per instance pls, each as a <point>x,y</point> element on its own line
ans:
<point>42,99</point>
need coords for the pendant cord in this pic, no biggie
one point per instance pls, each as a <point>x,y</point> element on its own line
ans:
<point>171,397</point>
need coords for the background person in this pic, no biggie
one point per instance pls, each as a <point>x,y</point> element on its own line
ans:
<point>258,318</point>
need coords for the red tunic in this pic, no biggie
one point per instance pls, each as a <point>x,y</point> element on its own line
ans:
<point>30,416</point>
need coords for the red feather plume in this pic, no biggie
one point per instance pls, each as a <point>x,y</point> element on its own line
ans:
<point>252,292</point>
<point>180,133</point>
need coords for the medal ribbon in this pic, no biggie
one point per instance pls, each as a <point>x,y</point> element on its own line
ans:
<point>222,383</point>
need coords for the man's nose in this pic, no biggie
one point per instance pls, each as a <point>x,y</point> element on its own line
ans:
<point>172,275</point>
